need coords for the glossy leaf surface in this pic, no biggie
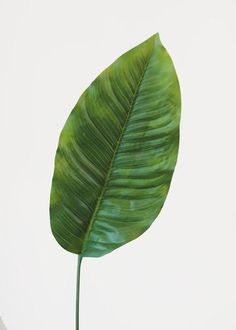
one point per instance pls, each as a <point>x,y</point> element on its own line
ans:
<point>116,153</point>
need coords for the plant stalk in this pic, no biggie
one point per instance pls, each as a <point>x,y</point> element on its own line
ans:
<point>78,292</point>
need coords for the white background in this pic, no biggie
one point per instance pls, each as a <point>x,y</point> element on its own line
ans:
<point>181,273</point>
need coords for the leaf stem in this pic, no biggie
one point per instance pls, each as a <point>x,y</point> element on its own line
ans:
<point>78,292</point>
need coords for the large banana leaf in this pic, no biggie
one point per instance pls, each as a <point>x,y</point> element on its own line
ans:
<point>117,152</point>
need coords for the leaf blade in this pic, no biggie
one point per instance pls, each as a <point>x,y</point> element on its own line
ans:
<point>124,128</point>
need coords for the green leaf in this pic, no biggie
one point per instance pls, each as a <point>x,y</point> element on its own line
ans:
<point>116,153</point>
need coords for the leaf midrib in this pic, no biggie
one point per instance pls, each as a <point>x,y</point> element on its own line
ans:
<point>100,198</point>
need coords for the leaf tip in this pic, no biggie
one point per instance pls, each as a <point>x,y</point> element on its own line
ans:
<point>155,36</point>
